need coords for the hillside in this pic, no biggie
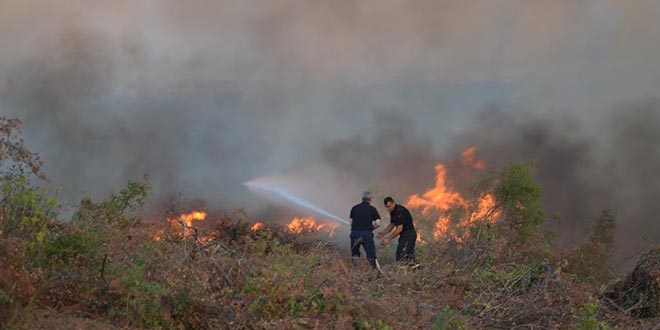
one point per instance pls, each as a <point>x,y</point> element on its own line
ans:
<point>486,262</point>
<point>107,270</point>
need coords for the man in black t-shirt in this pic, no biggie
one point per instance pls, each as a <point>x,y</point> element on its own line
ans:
<point>401,224</point>
<point>364,219</point>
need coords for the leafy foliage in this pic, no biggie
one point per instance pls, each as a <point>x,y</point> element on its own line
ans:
<point>590,260</point>
<point>588,316</point>
<point>25,209</point>
<point>13,149</point>
<point>24,214</point>
<point>518,198</point>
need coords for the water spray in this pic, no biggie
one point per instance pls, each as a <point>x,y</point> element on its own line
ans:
<point>294,199</point>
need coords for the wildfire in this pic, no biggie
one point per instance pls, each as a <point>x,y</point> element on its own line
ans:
<point>441,197</point>
<point>187,219</point>
<point>301,225</point>
<point>469,159</point>
<point>257,226</point>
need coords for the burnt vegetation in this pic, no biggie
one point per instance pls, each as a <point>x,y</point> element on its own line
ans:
<point>111,267</point>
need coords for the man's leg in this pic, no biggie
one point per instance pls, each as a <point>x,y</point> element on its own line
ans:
<point>370,248</point>
<point>406,249</point>
<point>409,247</point>
<point>356,241</point>
<point>400,248</point>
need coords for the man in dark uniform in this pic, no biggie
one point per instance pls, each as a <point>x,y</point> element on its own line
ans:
<point>401,224</point>
<point>364,219</point>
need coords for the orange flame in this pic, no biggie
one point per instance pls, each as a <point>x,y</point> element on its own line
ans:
<point>485,206</point>
<point>470,160</point>
<point>439,197</point>
<point>257,226</point>
<point>442,197</point>
<point>188,219</point>
<point>301,225</point>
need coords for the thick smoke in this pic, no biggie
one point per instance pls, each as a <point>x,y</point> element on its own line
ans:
<point>335,97</point>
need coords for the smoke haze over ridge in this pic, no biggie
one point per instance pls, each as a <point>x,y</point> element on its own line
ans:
<point>345,95</point>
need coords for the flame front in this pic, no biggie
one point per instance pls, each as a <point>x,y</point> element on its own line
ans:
<point>257,226</point>
<point>301,225</point>
<point>441,198</point>
<point>187,219</point>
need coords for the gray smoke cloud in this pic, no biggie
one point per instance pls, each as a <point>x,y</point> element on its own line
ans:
<point>336,97</point>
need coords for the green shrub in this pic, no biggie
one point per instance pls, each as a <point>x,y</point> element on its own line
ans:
<point>448,319</point>
<point>590,260</point>
<point>25,215</point>
<point>518,198</point>
<point>588,316</point>
<point>510,230</point>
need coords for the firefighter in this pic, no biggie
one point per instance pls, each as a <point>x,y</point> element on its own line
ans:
<point>364,219</point>
<point>401,225</point>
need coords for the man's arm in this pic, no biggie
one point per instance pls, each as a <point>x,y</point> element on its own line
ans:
<point>376,223</point>
<point>384,232</point>
<point>397,230</point>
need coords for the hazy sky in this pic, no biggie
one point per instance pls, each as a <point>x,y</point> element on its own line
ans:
<point>340,96</point>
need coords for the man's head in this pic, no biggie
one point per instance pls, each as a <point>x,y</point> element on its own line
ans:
<point>389,203</point>
<point>366,196</point>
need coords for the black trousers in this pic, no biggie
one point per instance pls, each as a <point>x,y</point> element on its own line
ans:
<point>405,251</point>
